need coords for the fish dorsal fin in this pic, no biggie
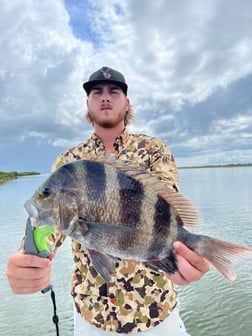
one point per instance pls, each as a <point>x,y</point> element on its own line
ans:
<point>188,215</point>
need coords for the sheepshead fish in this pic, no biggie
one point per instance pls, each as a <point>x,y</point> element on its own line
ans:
<point>117,211</point>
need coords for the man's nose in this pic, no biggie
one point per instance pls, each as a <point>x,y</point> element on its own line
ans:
<point>106,100</point>
<point>105,96</point>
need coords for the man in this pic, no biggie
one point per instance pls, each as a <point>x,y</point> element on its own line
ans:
<point>137,299</point>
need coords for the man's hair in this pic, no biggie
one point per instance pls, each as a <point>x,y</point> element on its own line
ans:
<point>129,116</point>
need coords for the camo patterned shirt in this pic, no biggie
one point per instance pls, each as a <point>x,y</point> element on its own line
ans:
<point>137,298</point>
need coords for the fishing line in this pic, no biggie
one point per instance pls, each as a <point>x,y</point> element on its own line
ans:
<point>55,317</point>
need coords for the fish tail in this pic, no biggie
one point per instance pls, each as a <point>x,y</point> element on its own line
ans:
<point>222,254</point>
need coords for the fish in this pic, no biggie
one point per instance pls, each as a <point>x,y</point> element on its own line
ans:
<point>119,211</point>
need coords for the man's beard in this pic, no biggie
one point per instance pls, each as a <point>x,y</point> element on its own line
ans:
<point>107,123</point>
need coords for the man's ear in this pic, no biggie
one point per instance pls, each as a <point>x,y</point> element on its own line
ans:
<point>128,103</point>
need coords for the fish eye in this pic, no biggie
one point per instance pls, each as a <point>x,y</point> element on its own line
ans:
<point>46,191</point>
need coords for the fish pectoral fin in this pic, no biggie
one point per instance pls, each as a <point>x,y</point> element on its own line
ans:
<point>167,264</point>
<point>103,264</point>
<point>103,227</point>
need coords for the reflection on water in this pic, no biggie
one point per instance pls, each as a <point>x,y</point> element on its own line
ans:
<point>209,307</point>
<point>212,306</point>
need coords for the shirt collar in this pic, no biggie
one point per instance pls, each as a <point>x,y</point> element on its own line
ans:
<point>120,140</point>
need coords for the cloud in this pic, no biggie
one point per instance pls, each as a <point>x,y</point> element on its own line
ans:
<point>40,64</point>
<point>188,65</point>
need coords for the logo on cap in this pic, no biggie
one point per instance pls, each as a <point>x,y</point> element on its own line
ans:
<point>106,74</point>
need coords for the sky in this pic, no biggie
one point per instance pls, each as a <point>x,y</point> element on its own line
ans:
<point>187,63</point>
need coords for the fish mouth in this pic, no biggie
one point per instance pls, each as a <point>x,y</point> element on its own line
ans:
<point>37,216</point>
<point>31,209</point>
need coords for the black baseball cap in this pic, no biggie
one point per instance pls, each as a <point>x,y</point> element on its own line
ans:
<point>106,74</point>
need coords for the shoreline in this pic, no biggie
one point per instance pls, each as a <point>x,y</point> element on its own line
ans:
<point>7,176</point>
<point>231,165</point>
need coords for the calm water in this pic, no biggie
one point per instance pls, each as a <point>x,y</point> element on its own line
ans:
<point>210,307</point>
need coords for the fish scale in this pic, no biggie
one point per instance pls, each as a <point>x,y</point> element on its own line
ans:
<point>118,211</point>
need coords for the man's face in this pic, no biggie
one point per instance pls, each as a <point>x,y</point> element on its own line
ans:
<point>107,105</point>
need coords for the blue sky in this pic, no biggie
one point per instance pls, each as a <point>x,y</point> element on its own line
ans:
<point>188,65</point>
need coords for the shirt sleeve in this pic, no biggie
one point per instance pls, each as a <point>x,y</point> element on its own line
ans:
<point>163,163</point>
<point>60,161</point>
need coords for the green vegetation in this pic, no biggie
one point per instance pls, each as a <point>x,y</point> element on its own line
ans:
<point>5,176</point>
<point>231,165</point>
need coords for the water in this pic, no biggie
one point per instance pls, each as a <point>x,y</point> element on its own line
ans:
<point>29,315</point>
<point>209,307</point>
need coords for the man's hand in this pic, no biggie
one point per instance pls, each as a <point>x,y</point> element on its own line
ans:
<point>191,266</point>
<point>28,273</point>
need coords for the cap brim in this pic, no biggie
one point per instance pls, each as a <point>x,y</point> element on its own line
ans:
<point>88,85</point>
